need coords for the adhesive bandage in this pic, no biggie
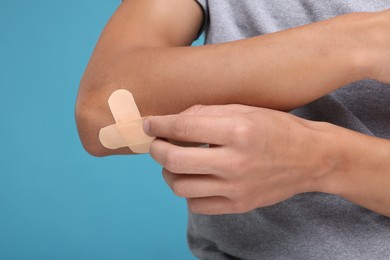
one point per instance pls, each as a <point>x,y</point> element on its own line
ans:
<point>128,130</point>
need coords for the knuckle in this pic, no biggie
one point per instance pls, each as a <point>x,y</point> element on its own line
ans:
<point>240,206</point>
<point>166,175</point>
<point>181,128</point>
<point>233,167</point>
<point>153,147</point>
<point>180,189</point>
<point>193,206</point>
<point>243,164</point>
<point>172,161</point>
<point>195,109</point>
<point>237,191</point>
<point>197,208</point>
<point>241,131</point>
<point>238,166</point>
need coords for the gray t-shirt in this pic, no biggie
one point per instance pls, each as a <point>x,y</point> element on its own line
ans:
<point>310,225</point>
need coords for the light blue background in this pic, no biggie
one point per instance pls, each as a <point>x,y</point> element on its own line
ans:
<point>56,201</point>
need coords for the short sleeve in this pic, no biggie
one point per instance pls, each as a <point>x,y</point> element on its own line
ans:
<point>204,5</point>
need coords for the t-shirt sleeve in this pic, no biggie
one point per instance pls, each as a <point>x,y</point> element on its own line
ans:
<point>203,4</point>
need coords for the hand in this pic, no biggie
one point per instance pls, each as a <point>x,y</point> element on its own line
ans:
<point>257,157</point>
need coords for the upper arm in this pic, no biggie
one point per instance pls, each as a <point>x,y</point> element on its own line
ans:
<point>135,24</point>
<point>141,24</point>
<point>152,23</point>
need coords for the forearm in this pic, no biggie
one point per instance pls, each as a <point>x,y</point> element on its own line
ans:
<point>281,71</point>
<point>360,168</point>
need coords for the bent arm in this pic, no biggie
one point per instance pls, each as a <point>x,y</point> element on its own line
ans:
<point>281,71</point>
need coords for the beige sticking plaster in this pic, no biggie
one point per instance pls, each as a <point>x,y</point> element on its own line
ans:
<point>128,130</point>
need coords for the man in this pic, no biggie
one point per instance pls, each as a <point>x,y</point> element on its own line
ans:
<point>303,188</point>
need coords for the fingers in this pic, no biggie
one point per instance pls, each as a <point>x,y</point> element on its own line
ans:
<point>193,186</point>
<point>195,129</point>
<point>179,159</point>
<point>205,194</point>
<point>216,205</point>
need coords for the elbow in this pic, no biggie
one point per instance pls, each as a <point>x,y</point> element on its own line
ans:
<point>92,111</point>
<point>91,114</point>
<point>86,135</point>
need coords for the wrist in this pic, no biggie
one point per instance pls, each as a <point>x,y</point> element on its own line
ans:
<point>330,158</point>
<point>347,160</point>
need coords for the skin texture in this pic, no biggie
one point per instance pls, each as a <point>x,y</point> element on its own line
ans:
<point>260,157</point>
<point>273,71</point>
<point>277,155</point>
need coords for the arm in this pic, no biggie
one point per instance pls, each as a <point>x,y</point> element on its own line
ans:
<point>362,174</point>
<point>137,25</point>
<point>280,71</point>
<point>265,156</point>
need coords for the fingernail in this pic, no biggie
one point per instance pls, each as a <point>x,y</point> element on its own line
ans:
<point>146,126</point>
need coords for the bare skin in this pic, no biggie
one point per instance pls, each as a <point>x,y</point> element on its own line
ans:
<point>261,157</point>
<point>143,49</point>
